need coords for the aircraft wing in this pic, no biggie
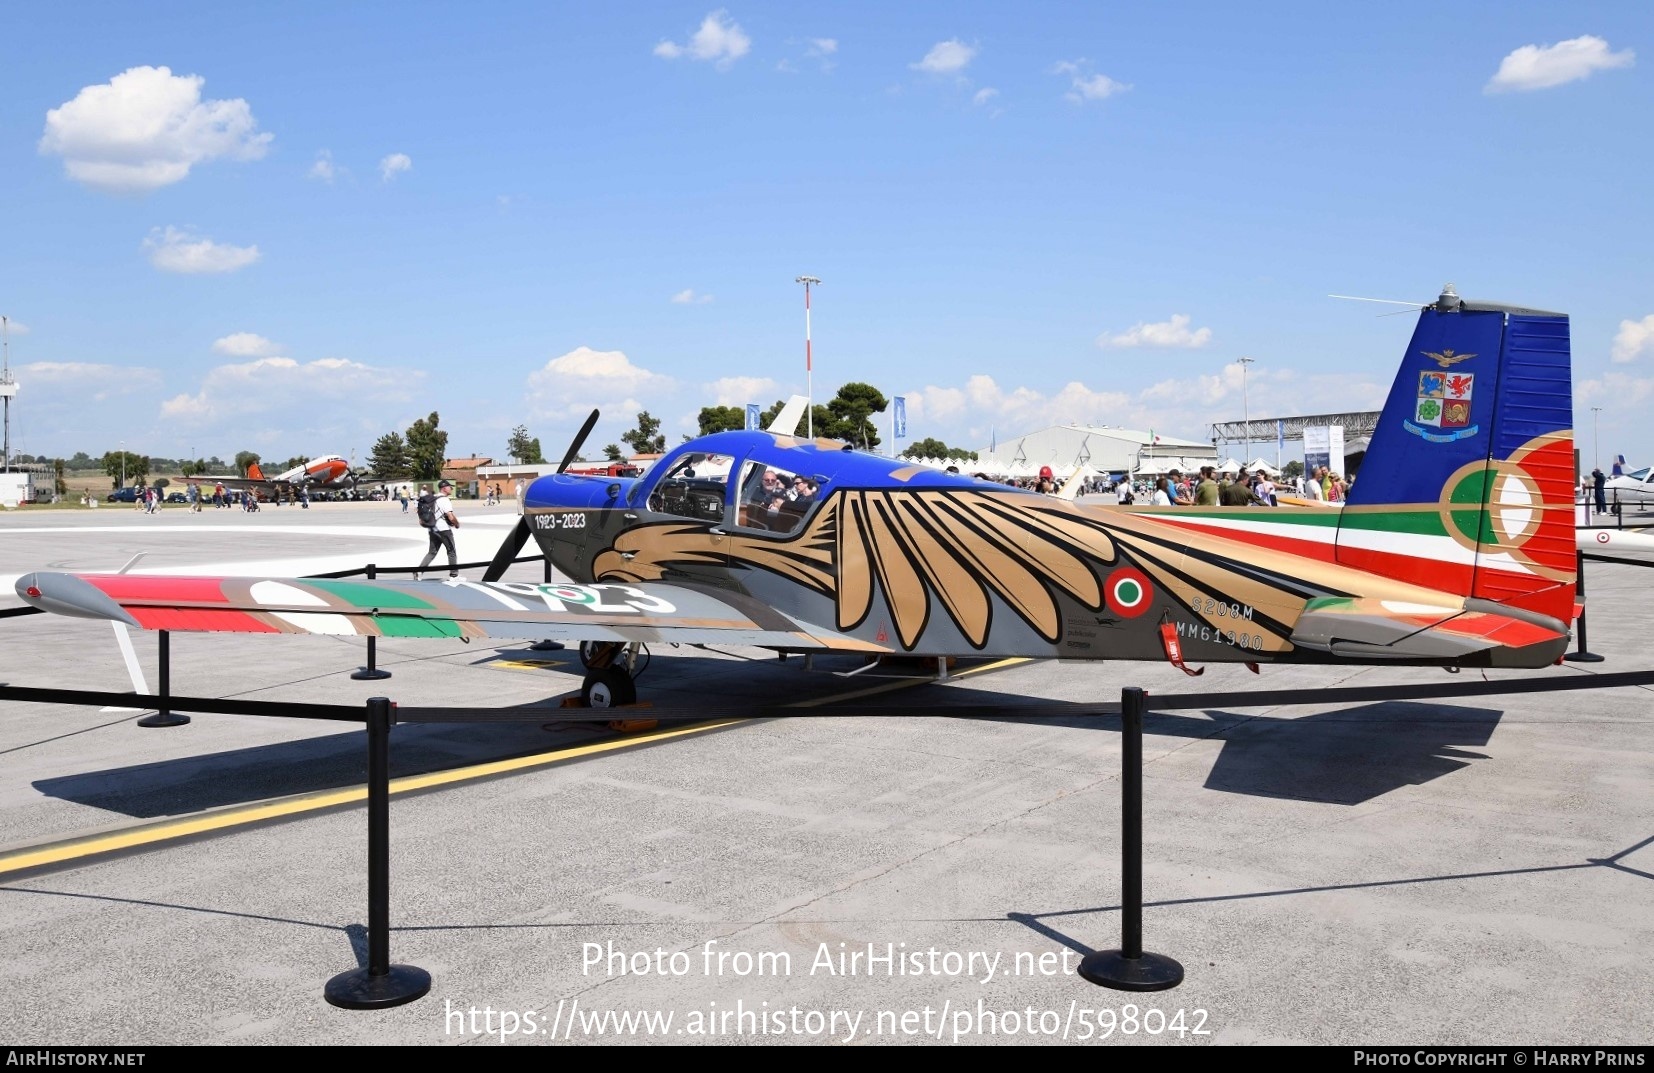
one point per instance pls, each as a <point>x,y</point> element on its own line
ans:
<point>651,612</point>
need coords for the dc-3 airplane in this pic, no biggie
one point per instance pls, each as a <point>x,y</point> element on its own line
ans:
<point>327,471</point>
<point>1456,549</point>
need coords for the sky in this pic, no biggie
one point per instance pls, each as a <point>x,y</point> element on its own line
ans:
<point>292,228</point>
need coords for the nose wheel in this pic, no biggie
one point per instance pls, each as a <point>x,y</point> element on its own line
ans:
<point>608,687</point>
<point>610,668</point>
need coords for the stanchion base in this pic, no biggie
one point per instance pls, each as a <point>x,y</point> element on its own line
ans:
<point>1151,972</point>
<point>164,719</point>
<point>1582,657</point>
<point>547,646</point>
<point>369,674</point>
<point>359,989</point>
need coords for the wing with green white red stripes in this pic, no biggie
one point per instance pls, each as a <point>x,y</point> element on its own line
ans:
<point>653,612</point>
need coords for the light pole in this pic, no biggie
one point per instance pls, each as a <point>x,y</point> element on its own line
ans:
<point>1596,442</point>
<point>809,390</point>
<point>1246,411</point>
<point>123,463</point>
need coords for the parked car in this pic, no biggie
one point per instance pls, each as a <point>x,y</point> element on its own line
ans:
<point>177,497</point>
<point>122,495</point>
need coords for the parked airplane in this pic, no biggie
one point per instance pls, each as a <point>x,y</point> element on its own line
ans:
<point>1456,549</point>
<point>1633,488</point>
<point>327,471</point>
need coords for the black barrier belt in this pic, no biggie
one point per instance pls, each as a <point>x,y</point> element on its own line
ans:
<point>350,713</point>
<point>417,569</point>
<point>13,612</point>
<point>1168,702</point>
<point>1594,558</point>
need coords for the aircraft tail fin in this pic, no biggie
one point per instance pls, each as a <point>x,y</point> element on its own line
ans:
<point>1468,482</point>
<point>787,419</point>
<point>254,473</point>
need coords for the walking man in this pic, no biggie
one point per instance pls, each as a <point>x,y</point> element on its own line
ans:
<point>440,529</point>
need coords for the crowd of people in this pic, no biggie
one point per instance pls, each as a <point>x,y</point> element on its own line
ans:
<point>1206,488</point>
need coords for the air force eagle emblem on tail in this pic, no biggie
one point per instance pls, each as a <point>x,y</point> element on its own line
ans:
<point>1447,359</point>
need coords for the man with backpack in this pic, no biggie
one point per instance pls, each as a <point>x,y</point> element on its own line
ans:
<point>436,514</point>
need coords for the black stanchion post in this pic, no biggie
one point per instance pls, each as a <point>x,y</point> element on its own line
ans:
<point>164,716</point>
<point>547,561</point>
<point>1584,654</point>
<point>380,985</point>
<point>372,672</point>
<point>1129,968</point>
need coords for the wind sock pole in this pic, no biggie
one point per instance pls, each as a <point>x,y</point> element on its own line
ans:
<point>809,374</point>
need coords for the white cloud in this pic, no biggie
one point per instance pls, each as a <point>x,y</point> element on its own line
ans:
<point>246,345</point>
<point>283,386</point>
<point>1168,333</point>
<point>740,390</point>
<point>946,58</point>
<point>88,379</point>
<point>719,40</point>
<point>984,95</point>
<point>16,327</point>
<point>821,47</point>
<point>687,296</point>
<point>323,168</point>
<point>1622,389</point>
<point>1085,86</point>
<point>571,384</point>
<point>145,128</point>
<point>175,249</point>
<point>1635,338</point>
<point>394,165</point>
<point>1543,66</point>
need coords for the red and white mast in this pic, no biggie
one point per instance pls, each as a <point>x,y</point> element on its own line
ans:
<point>809,377</point>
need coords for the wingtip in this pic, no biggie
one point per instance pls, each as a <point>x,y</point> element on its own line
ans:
<point>66,594</point>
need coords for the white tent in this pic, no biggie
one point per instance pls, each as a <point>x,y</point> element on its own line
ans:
<point>1229,466</point>
<point>1259,465</point>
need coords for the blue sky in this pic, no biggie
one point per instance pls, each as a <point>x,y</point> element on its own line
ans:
<point>320,222</point>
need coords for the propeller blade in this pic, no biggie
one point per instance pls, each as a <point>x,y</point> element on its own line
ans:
<point>579,441</point>
<point>509,547</point>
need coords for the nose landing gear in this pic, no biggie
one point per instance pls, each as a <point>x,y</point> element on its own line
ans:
<point>610,666</point>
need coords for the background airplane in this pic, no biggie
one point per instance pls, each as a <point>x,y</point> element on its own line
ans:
<point>1455,549</point>
<point>327,471</point>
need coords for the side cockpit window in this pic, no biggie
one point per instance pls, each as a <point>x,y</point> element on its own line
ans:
<point>696,486</point>
<point>773,498</point>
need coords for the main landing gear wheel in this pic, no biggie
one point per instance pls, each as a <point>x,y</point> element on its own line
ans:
<point>608,687</point>
<point>597,653</point>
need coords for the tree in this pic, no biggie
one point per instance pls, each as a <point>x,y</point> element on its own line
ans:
<point>852,410</point>
<point>722,419</point>
<point>125,465</point>
<point>522,447</point>
<point>389,460</point>
<point>59,485</point>
<point>934,448</point>
<point>244,460</point>
<point>293,463</point>
<point>612,452</point>
<point>1292,470</point>
<point>81,460</point>
<point>647,438</point>
<point>427,447</point>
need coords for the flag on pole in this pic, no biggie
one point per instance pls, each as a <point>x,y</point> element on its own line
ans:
<point>901,417</point>
<point>993,440</point>
<point>1154,437</point>
<point>752,415</point>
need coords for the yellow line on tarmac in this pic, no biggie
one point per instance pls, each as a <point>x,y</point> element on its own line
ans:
<point>163,831</point>
<point>241,815</point>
